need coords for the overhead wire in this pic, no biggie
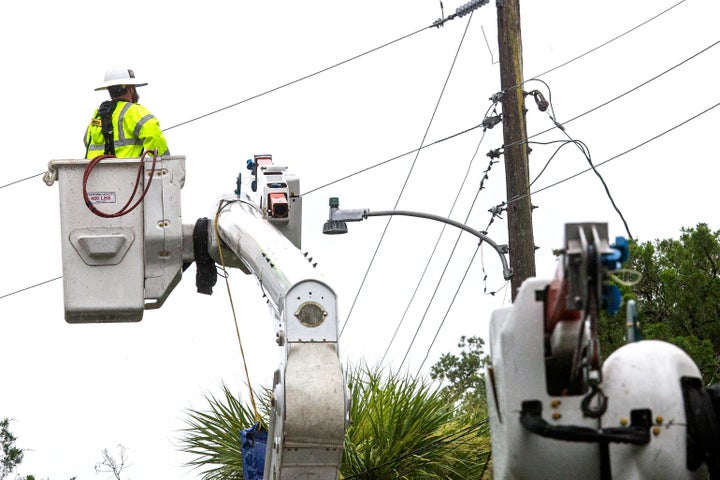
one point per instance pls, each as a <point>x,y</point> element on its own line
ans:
<point>462,280</point>
<point>28,288</point>
<point>450,257</point>
<point>447,311</point>
<point>392,159</point>
<point>607,102</point>
<point>437,243</point>
<point>21,180</point>
<point>536,77</point>
<point>442,275</point>
<point>587,112</point>
<point>615,157</point>
<point>586,151</point>
<point>300,79</point>
<point>547,163</point>
<point>407,177</point>
<point>617,37</point>
<point>457,291</point>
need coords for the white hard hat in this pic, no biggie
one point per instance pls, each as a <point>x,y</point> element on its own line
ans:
<point>120,76</point>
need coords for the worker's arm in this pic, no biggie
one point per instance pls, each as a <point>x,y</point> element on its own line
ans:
<point>148,130</point>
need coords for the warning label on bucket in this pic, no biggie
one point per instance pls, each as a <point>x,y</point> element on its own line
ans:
<point>101,197</point>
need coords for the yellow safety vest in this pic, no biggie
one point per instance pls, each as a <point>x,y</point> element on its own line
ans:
<point>138,131</point>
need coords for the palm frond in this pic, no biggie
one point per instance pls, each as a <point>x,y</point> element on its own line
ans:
<point>212,436</point>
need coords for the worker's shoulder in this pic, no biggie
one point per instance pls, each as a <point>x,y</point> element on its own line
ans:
<point>138,109</point>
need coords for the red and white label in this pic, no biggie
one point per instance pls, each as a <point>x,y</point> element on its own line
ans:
<point>101,197</point>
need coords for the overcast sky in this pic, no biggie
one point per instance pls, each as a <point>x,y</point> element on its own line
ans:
<point>73,390</point>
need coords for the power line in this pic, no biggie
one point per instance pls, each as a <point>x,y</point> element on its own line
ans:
<point>300,79</point>
<point>396,157</point>
<point>477,126</point>
<point>651,139</point>
<point>21,180</point>
<point>462,282</point>
<point>439,281</point>
<point>581,145</point>
<point>407,177</point>
<point>609,41</point>
<point>31,286</point>
<point>583,148</point>
<point>547,164</point>
<point>637,87</point>
<point>586,151</point>
<point>447,264</point>
<point>447,312</point>
<point>434,250</point>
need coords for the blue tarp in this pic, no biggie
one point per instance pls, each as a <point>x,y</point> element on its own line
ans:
<point>253,441</point>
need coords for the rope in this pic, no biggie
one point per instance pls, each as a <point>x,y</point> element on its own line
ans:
<point>232,306</point>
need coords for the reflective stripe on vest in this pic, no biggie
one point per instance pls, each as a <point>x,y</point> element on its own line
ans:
<point>128,121</point>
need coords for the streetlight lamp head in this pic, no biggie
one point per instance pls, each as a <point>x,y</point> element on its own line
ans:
<point>332,226</point>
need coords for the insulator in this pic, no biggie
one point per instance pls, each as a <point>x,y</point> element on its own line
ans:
<point>469,7</point>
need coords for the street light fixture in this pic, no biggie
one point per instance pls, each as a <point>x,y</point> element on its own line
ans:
<point>336,225</point>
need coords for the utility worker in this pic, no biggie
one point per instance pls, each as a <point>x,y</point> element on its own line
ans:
<point>120,126</point>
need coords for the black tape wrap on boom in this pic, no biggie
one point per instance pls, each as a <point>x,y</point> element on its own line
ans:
<point>105,112</point>
<point>205,272</point>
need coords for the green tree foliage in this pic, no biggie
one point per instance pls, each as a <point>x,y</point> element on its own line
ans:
<point>401,428</point>
<point>213,436</point>
<point>464,376</point>
<point>12,456</point>
<point>678,297</point>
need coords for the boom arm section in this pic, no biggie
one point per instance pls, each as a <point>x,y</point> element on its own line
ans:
<point>308,418</point>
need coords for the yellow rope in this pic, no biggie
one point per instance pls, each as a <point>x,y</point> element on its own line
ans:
<point>232,306</point>
<point>634,277</point>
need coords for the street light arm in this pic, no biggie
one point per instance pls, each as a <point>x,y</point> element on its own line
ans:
<point>336,225</point>
<point>502,250</point>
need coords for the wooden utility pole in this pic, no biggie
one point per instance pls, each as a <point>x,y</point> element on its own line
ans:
<point>517,172</point>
